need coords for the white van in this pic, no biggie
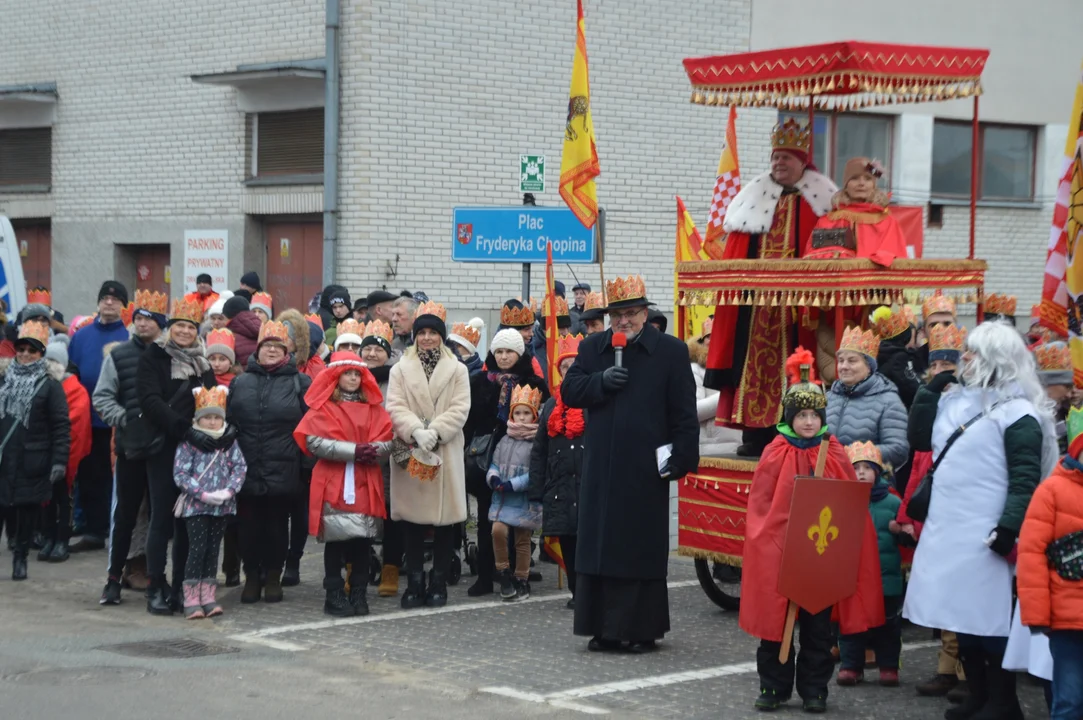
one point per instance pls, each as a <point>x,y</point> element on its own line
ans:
<point>12,280</point>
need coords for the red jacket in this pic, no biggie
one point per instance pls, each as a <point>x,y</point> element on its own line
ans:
<point>1056,509</point>
<point>313,367</point>
<point>79,414</point>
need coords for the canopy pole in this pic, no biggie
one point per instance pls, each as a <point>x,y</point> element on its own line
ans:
<point>975,151</point>
<point>811,131</point>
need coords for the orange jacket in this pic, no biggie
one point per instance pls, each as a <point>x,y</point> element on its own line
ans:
<point>206,300</point>
<point>1046,599</point>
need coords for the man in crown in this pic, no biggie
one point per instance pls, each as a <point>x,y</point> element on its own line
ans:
<point>770,218</point>
<point>642,434</point>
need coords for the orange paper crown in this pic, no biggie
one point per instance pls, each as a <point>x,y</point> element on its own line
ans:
<point>34,331</point>
<point>1053,357</point>
<point>40,295</point>
<point>273,331</point>
<point>377,328</point>
<point>568,346</point>
<point>190,311</point>
<point>221,337</point>
<point>526,395</point>
<point>860,341</point>
<point>559,304</point>
<point>624,289</point>
<point>467,332</point>
<point>594,301</point>
<point>516,317</point>
<point>155,302</point>
<point>865,452</point>
<point>128,314</point>
<point>791,135</point>
<point>422,471</point>
<point>214,397</point>
<point>349,326</point>
<point>937,303</point>
<point>432,308</point>
<point>888,323</point>
<point>316,319</point>
<point>997,304</point>
<point>951,337</point>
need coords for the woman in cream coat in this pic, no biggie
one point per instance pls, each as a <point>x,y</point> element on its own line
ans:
<point>428,399</point>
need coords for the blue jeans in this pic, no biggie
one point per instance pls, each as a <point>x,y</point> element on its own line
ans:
<point>1066,647</point>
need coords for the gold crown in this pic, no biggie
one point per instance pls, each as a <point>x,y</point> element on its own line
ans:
<point>214,397</point>
<point>937,303</point>
<point>560,305</point>
<point>432,308</point>
<point>860,341</point>
<point>273,331</point>
<point>468,333</point>
<point>791,135</point>
<point>1053,356</point>
<point>568,346</point>
<point>594,301</point>
<point>623,289</point>
<point>516,317</point>
<point>864,452</point>
<point>349,326</point>
<point>190,311</point>
<point>997,304</point>
<point>128,314</point>
<point>377,328</point>
<point>315,319</point>
<point>221,337</point>
<point>262,298</point>
<point>40,295</point>
<point>888,323</point>
<point>943,338</point>
<point>155,302</point>
<point>34,331</point>
<point>526,395</point>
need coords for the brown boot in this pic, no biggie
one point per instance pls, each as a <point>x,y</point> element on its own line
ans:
<point>389,581</point>
<point>137,573</point>
<point>272,589</point>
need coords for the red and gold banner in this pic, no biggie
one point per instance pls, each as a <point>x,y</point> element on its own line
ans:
<point>579,161</point>
<point>711,507</point>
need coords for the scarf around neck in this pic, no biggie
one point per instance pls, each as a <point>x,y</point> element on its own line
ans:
<point>216,434</point>
<point>507,381</point>
<point>429,359</point>
<point>19,388</point>
<point>522,431</point>
<point>187,362</point>
<point>566,421</point>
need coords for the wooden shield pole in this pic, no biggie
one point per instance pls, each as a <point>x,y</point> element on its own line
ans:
<point>791,609</point>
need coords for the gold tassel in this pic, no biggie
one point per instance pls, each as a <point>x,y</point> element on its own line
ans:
<point>715,484</point>
<point>817,88</point>
<point>830,84</point>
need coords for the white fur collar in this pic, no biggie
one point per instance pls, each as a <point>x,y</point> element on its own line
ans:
<point>753,210</point>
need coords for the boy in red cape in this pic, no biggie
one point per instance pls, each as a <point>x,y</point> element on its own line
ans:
<point>347,428</point>
<point>763,609</point>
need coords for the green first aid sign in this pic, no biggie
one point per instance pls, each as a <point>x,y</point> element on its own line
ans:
<point>531,173</point>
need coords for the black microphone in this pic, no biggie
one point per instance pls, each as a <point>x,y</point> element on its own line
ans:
<point>620,341</point>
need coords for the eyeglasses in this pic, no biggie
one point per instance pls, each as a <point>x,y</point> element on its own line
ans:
<point>624,314</point>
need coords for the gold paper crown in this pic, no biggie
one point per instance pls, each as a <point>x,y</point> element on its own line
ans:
<point>468,333</point>
<point>791,135</point>
<point>594,301</point>
<point>805,394</point>
<point>34,331</point>
<point>568,346</point>
<point>262,298</point>
<point>273,331</point>
<point>997,304</point>
<point>214,397</point>
<point>190,311</point>
<point>40,295</point>
<point>559,304</point>
<point>422,471</point>
<point>316,319</point>
<point>888,323</point>
<point>155,302</point>
<point>516,317</point>
<point>349,326</point>
<point>951,337</point>
<point>432,308</point>
<point>624,289</point>
<point>860,341</point>
<point>221,337</point>
<point>937,303</point>
<point>865,452</point>
<point>377,328</point>
<point>911,318</point>
<point>526,395</point>
<point>1053,356</point>
<point>128,314</point>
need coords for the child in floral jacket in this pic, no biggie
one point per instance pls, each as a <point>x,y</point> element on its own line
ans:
<point>209,483</point>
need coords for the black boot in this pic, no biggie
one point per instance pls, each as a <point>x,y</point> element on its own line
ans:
<point>158,597</point>
<point>414,597</point>
<point>18,563</point>
<point>45,551</point>
<point>336,604</point>
<point>291,577</point>
<point>358,588</point>
<point>60,552</point>
<point>437,595</point>
<point>1003,702</point>
<point>974,665</point>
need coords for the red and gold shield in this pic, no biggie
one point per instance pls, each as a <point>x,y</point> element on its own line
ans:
<point>822,549</point>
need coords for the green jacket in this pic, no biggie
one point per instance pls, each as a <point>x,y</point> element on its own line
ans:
<point>884,506</point>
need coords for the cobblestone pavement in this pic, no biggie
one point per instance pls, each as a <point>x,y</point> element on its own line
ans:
<point>482,657</point>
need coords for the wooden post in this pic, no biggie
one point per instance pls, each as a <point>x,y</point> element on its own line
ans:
<point>560,576</point>
<point>791,609</point>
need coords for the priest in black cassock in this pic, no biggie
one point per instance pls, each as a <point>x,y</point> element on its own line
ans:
<point>621,601</point>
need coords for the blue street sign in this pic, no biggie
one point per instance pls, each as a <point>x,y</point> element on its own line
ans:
<point>518,234</point>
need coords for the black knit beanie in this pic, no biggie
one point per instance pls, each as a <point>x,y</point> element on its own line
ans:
<point>431,322</point>
<point>234,307</point>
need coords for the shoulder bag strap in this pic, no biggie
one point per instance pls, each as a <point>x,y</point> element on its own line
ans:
<point>955,435</point>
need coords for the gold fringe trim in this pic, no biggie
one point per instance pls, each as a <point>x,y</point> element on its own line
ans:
<point>857,217</point>
<point>720,506</point>
<point>699,554</point>
<point>831,266</point>
<point>748,466</point>
<point>712,533</point>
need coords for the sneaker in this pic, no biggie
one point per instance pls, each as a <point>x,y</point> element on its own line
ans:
<point>523,588</point>
<point>508,591</point>
<point>769,700</point>
<point>816,705</point>
<point>937,686</point>
<point>889,677</point>
<point>849,678</point>
<point>111,593</point>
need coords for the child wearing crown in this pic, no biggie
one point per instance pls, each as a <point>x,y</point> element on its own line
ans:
<point>209,482</point>
<point>509,477</point>
<point>763,609</point>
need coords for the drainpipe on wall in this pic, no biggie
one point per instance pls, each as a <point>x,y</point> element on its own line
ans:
<point>330,143</point>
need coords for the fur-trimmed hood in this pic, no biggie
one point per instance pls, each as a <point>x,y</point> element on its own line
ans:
<point>697,351</point>
<point>299,332</point>
<point>753,209</point>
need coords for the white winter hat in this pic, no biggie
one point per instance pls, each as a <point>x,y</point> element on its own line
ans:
<point>351,338</point>
<point>219,307</point>
<point>508,339</point>
<point>471,328</point>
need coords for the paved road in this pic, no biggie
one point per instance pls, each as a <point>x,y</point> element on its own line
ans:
<point>472,659</point>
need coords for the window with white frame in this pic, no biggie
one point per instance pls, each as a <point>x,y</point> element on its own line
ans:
<point>839,137</point>
<point>1005,160</point>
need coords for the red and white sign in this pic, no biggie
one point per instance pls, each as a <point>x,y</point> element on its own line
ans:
<point>206,251</point>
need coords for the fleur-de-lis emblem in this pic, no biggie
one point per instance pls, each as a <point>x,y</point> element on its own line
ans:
<point>823,533</point>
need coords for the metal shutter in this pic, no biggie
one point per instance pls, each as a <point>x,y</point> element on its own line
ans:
<point>286,143</point>
<point>26,157</point>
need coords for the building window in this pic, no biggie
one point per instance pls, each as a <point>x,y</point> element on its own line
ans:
<point>26,160</point>
<point>837,138</point>
<point>1005,160</point>
<point>285,146</point>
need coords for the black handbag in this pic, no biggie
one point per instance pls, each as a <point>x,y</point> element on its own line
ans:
<point>1065,555</point>
<point>478,452</point>
<point>918,507</point>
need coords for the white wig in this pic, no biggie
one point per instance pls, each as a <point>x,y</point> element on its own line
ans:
<point>1003,368</point>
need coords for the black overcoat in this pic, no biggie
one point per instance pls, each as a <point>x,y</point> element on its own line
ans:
<point>623,501</point>
<point>36,448</point>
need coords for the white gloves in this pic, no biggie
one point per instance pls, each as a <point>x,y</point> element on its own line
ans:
<point>426,439</point>
<point>218,497</point>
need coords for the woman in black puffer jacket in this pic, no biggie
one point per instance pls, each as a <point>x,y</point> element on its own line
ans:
<point>265,405</point>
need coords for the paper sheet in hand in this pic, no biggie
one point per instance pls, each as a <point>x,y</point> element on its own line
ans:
<point>663,454</point>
